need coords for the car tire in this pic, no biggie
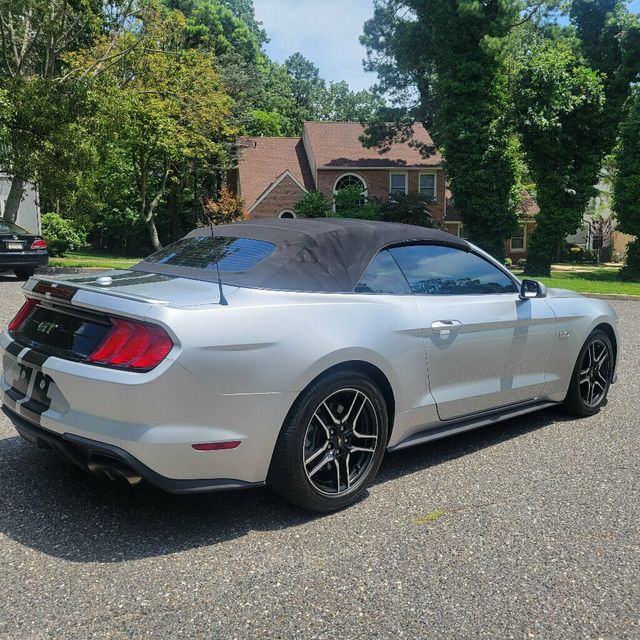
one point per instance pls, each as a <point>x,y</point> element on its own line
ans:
<point>24,273</point>
<point>591,376</point>
<point>331,444</point>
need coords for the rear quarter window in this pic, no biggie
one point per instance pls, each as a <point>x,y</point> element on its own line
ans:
<point>232,255</point>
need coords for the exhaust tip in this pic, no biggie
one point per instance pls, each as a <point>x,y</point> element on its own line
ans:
<point>114,471</point>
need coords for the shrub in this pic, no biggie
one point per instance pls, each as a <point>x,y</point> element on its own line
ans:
<point>351,202</point>
<point>631,269</point>
<point>522,263</point>
<point>508,262</point>
<point>61,234</point>
<point>313,204</point>
<point>226,209</point>
<point>407,208</point>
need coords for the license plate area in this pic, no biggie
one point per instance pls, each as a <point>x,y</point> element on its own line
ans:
<point>15,246</point>
<point>29,388</point>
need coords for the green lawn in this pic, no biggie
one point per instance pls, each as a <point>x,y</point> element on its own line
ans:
<point>589,279</point>
<point>92,258</point>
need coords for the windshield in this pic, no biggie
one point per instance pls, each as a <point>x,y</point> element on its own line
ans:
<point>232,255</point>
<point>9,227</point>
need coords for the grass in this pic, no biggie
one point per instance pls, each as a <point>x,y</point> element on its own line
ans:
<point>589,279</point>
<point>92,258</point>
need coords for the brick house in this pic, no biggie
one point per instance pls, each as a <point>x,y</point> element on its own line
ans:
<point>274,173</point>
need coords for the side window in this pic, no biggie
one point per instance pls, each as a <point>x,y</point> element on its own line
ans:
<point>436,270</point>
<point>383,276</point>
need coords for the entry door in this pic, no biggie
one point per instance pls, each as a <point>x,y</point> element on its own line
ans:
<point>485,347</point>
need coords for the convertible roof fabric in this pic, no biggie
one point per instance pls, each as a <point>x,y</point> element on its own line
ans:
<point>314,254</point>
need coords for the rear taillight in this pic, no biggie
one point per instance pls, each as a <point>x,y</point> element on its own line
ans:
<point>39,244</point>
<point>21,316</point>
<point>132,345</point>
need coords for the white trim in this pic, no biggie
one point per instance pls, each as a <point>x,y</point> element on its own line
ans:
<point>411,167</point>
<point>523,249</point>
<point>355,175</point>
<point>435,183</point>
<point>406,180</point>
<point>273,185</point>
<point>291,211</point>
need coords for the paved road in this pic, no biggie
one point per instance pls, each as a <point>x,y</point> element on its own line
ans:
<point>539,539</point>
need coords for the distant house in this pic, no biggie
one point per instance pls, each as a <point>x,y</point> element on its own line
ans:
<point>274,173</point>
<point>29,211</point>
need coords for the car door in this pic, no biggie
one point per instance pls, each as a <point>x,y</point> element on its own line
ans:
<point>485,346</point>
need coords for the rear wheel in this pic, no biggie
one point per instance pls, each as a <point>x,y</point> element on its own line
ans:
<point>332,443</point>
<point>24,273</point>
<point>591,376</point>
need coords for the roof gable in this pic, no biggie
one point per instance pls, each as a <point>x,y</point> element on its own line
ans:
<point>263,161</point>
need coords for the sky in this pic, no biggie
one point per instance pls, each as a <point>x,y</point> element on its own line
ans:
<point>326,32</point>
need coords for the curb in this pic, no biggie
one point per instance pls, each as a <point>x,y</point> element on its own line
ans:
<point>612,296</point>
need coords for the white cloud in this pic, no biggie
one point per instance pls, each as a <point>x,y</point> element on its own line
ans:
<point>325,31</point>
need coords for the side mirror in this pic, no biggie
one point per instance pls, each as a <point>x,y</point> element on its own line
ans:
<point>532,289</point>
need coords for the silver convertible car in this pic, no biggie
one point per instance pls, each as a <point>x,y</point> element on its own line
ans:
<point>293,353</point>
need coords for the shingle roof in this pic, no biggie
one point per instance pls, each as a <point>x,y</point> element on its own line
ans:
<point>261,161</point>
<point>337,144</point>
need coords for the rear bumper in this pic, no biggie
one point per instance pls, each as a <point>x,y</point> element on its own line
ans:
<point>9,260</point>
<point>113,462</point>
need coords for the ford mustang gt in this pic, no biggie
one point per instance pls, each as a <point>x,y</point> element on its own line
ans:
<point>293,353</point>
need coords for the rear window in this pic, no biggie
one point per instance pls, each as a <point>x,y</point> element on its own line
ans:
<point>232,255</point>
<point>9,227</point>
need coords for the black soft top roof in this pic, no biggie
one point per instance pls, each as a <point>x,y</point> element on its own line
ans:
<point>313,254</point>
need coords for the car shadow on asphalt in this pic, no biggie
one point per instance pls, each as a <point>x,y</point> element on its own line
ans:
<point>64,512</point>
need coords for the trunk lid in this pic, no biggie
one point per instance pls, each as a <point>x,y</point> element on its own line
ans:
<point>149,288</point>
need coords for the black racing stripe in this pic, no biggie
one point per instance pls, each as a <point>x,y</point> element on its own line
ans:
<point>35,358</point>
<point>142,280</point>
<point>14,394</point>
<point>118,276</point>
<point>28,415</point>
<point>14,349</point>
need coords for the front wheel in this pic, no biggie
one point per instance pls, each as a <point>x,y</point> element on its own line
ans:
<point>591,377</point>
<point>332,443</point>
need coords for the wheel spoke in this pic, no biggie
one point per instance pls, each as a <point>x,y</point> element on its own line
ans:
<point>322,424</point>
<point>352,449</point>
<point>321,450</point>
<point>353,404</point>
<point>337,463</point>
<point>346,464</point>
<point>333,418</point>
<point>602,378</point>
<point>327,458</point>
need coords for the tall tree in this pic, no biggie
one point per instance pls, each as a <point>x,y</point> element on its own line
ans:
<point>626,189</point>
<point>338,103</point>
<point>306,86</point>
<point>163,104</point>
<point>558,103</point>
<point>35,38</point>
<point>440,62</point>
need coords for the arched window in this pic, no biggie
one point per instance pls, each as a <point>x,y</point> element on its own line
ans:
<point>352,181</point>
<point>287,214</point>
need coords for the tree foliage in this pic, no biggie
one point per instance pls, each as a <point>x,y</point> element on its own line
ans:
<point>439,60</point>
<point>626,189</point>
<point>228,208</point>
<point>558,102</point>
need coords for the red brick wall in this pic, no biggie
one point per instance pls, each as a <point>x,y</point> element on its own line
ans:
<point>378,185</point>
<point>284,196</point>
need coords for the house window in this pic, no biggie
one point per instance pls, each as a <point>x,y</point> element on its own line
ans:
<point>349,181</point>
<point>398,183</point>
<point>428,185</point>
<point>287,214</point>
<point>519,239</point>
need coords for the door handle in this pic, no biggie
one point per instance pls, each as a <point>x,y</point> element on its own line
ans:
<point>444,327</point>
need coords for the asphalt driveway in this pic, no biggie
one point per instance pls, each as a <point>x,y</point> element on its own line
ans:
<point>530,529</point>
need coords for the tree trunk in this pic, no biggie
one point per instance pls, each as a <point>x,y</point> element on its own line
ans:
<point>14,199</point>
<point>153,234</point>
